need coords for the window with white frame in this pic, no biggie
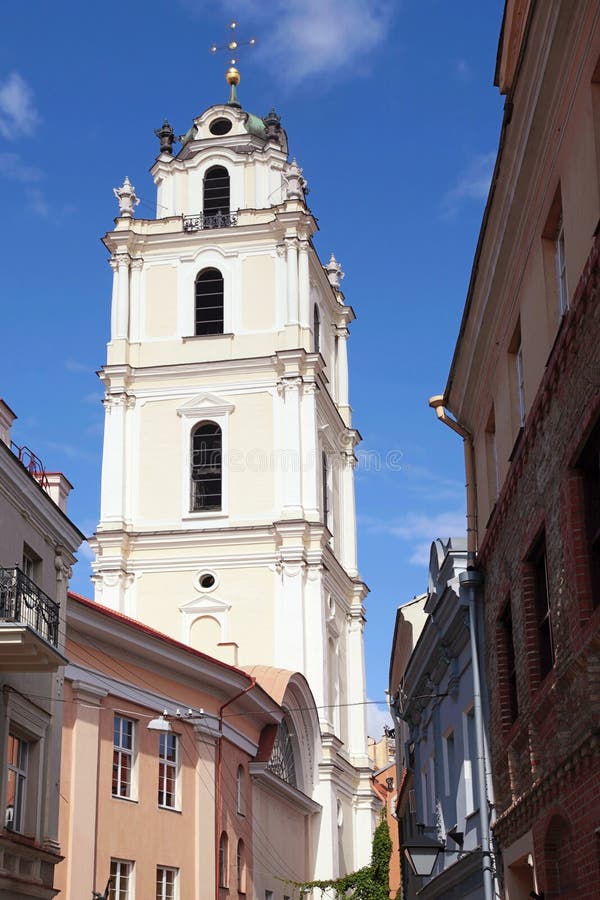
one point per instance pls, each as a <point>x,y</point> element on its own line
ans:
<point>167,769</point>
<point>206,467</point>
<point>166,883</point>
<point>122,771</point>
<point>121,880</point>
<point>16,786</point>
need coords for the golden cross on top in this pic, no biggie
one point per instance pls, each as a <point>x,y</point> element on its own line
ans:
<point>233,45</point>
<point>232,76</point>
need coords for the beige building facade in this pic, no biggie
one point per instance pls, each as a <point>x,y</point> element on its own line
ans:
<point>37,547</point>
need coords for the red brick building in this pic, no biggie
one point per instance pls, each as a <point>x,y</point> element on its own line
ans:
<point>524,388</point>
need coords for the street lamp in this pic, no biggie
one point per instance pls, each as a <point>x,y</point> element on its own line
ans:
<point>422,853</point>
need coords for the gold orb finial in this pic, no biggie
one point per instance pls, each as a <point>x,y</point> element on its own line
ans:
<point>232,76</point>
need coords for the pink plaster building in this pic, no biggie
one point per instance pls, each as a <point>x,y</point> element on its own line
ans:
<point>165,751</point>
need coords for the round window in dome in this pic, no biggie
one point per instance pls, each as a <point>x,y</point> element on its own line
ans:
<point>206,581</point>
<point>220,126</point>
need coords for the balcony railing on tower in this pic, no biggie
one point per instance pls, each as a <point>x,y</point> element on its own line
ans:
<point>24,603</point>
<point>201,221</point>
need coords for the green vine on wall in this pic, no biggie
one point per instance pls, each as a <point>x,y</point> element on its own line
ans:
<point>368,883</point>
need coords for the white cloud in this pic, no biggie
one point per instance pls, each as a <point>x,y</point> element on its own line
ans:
<point>419,530</point>
<point>306,38</point>
<point>38,203</point>
<point>377,717</point>
<point>13,168</point>
<point>18,115</point>
<point>85,551</point>
<point>473,183</point>
<point>463,70</point>
<point>72,365</point>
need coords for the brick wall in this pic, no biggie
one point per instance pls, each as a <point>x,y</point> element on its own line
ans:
<point>546,764</point>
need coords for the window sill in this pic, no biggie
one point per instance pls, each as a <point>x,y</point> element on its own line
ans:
<point>172,809</point>
<point>207,337</point>
<point>209,514</point>
<point>125,799</point>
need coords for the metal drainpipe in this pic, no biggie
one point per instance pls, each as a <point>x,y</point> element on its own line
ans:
<point>472,582</point>
<point>219,777</point>
<point>437,403</point>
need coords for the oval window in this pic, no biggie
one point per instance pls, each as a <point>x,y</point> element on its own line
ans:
<point>207,581</point>
<point>220,126</point>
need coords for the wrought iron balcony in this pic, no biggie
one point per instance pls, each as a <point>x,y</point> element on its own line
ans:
<point>202,221</point>
<point>24,603</point>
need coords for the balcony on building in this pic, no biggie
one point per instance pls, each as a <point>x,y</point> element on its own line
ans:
<point>29,625</point>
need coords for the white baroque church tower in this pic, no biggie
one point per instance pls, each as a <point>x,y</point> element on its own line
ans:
<point>227,506</point>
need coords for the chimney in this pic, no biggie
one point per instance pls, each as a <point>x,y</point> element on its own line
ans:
<point>7,417</point>
<point>58,488</point>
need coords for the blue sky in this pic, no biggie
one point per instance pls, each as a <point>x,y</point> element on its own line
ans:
<point>391,111</point>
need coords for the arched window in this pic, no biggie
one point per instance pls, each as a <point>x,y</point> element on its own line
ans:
<point>282,761</point>
<point>209,302</point>
<point>240,791</point>
<point>206,468</point>
<point>216,197</point>
<point>241,867</point>
<point>316,330</point>
<point>223,860</point>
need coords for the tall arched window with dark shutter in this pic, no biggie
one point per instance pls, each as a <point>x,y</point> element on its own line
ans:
<point>206,474</point>
<point>216,195</point>
<point>316,329</point>
<point>209,302</point>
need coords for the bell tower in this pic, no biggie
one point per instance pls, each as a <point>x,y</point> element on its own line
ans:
<point>227,505</point>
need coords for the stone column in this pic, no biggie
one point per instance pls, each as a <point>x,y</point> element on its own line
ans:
<point>304,284</point>
<point>292,280</point>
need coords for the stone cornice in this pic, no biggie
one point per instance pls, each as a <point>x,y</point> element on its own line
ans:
<point>24,492</point>
<point>262,775</point>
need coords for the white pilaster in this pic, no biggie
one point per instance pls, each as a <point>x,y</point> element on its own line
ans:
<point>292,280</point>
<point>304,284</point>
<point>310,451</point>
<point>342,370</point>
<point>348,513</point>
<point>121,319</point>
<point>289,618</point>
<point>113,459</point>
<point>314,629</point>
<point>135,304</point>
<point>357,720</point>
<point>113,263</point>
<point>289,390</point>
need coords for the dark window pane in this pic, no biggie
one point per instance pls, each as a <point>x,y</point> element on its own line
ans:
<point>209,303</point>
